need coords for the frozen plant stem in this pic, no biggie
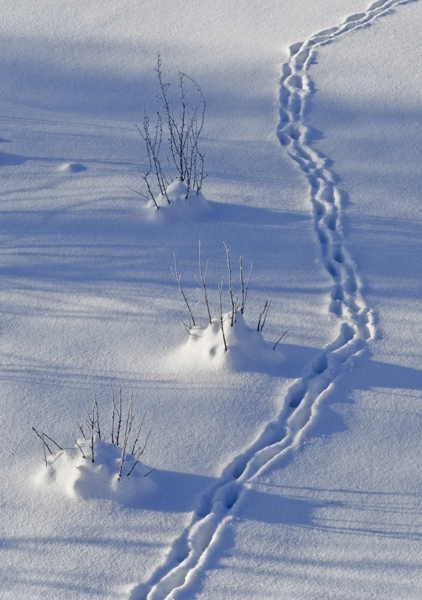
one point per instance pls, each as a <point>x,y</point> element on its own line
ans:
<point>91,423</point>
<point>44,445</point>
<point>135,443</point>
<point>94,435</point>
<point>79,446</point>
<point>42,437</point>
<point>153,145</point>
<point>185,129</point>
<point>235,304</point>
<point>176,275</point>
<point>233,299</point>
<point>181,129</point>
<point>203,283</point>
<point>279,339</point>
<point>113,412</point>
<point>220,317</point>
<point>244,287</point>
<point>138,453</point>
<point>263,316</point>
<point>128,428</point>
<point>97,417</point>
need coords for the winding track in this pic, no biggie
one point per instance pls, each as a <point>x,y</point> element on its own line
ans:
<point>188,552</point>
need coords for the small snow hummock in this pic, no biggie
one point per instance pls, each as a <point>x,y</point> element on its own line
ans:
<point>247,349</point>
<point>178,199</point>
<point>72,167</point>
<point>72,472</point>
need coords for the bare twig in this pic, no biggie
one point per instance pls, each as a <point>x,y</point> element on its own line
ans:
<point>279,339</point>
<point>128,428</point>
<point>149,197</point>
<point>139,454</point>
<point>79,446</point>
<point>134,449</point>
<point>51,440</point>
<point>119,418</point>
<point>183,130</point>
<point>220,317</point>
<point>153,145</point>
<point>233,298</point>
<point>45,446</point>
<point>113,412</point>
<point>41,436</point>
<point>263,316</point>
<point>81,429</point>
<point>244,287</point>
<point>177,277</point>
<point>91,423</point>
<point>97,417</point>
<point>203,283</point>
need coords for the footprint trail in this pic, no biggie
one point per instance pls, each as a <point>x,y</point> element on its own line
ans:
<point>346,299</point>
<point>188,553</point>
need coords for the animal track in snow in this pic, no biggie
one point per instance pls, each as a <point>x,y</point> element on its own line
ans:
<point>215,505</point>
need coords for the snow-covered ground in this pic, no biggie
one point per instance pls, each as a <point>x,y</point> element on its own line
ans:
<point>289,473</point>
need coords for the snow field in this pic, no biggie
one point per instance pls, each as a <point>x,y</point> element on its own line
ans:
<point>88,298</point>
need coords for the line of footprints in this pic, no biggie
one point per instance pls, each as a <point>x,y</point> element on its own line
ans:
<point>296,86</point>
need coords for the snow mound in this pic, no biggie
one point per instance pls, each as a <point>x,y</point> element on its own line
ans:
<point>72,167</point>
<point>247,349</point>
<point>180,202</point>
<point>69,473</point>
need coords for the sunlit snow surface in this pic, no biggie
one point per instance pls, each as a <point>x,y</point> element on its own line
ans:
<point>295,476</point>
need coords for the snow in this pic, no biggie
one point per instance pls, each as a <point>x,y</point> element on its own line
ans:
<point>288,473</point>
<point>71,471</point>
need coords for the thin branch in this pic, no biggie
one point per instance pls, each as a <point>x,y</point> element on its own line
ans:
<point>263,316</point>
<point>79,446</point>
<point>119,418</point>
<point>128,428</point>
<point>97,417</point>
<point>151,196</point>
<point>183,130</point>
<point>91,422</point>
<point>244,287</point>
<point>139,454</point>
<point>279,339</point>
<point>233,300</point>
<point>203,283</point>
<point>137,436</point>
<point>220,317</point>
<point>51,440</point>
<point>177,277</point>
<point>113,412</point>
<point>41,436</point>
<point>142,450</point>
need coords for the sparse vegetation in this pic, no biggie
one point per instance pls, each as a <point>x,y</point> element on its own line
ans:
<point>172,142</point>
<point>237,301</point>
<point>122,434</point>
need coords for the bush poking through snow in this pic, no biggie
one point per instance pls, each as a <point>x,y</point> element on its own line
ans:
<point>116,457</point>
<point>181,128</point>
<point>222,321</point>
